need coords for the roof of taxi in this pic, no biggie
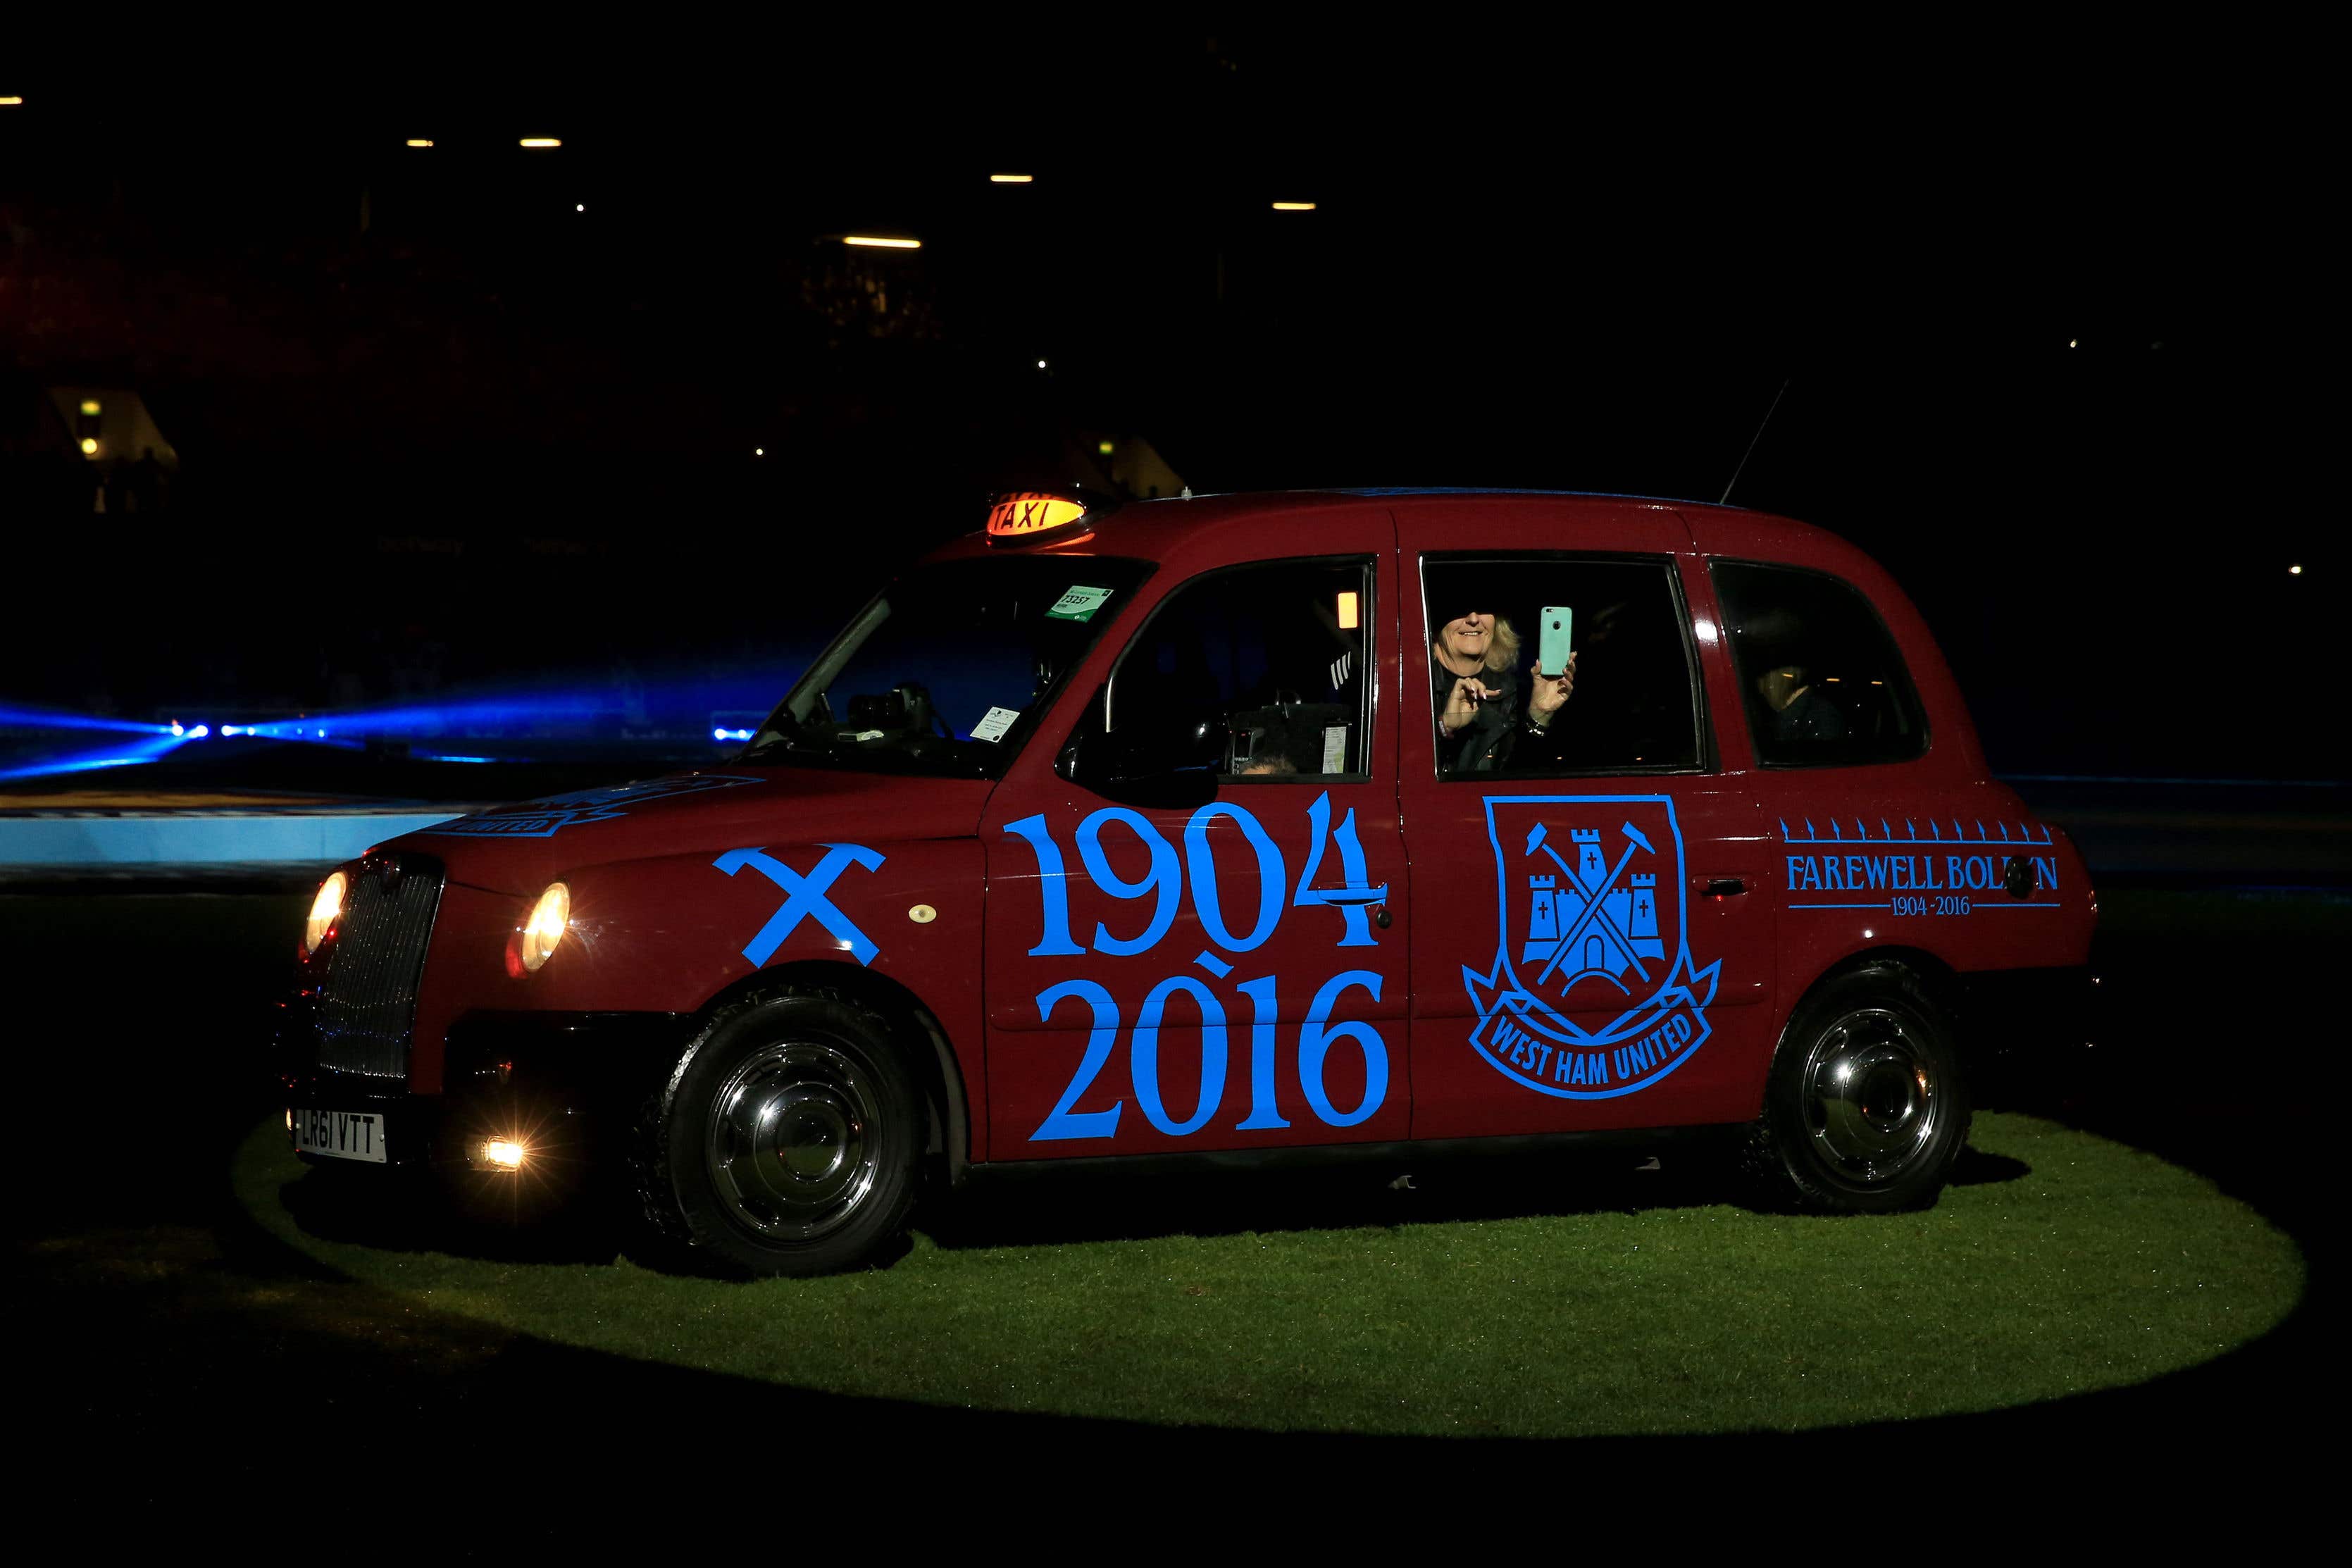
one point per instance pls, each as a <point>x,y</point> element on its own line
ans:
<point>1150,527</point>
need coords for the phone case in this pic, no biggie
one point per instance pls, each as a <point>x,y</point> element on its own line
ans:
<point>1552,647</point>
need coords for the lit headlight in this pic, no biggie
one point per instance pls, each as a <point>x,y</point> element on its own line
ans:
<point>548,917</point>
<point>325,910</point>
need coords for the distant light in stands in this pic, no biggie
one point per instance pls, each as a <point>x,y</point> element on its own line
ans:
<point>2295,571</point>
<point>420,142</point>
<point>759,451</point>
<point>580,206</point>
<point>1294,207</point>
<point>2074,343</point>
<point>1105,447</point>
<point>89,446</point>
<point>1041,364</point>
<point>880,243</point>
<point>11,104</point>
<point>1011,179</point>
<point>89,405</point>
<point>541,141</point>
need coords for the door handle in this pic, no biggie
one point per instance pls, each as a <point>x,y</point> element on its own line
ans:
<point>1349,895</point>
<point>1721,886</point>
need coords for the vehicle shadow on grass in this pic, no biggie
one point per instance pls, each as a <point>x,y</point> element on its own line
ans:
<point>418,1214</point>
<point>1047,1210</point>
<point>1056,1208</point>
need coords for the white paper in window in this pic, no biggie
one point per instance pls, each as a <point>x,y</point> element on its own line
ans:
<point>993,723</point>
<point>1335,748</point>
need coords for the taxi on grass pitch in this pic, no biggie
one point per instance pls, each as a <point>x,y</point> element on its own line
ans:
<point>1345,825</point>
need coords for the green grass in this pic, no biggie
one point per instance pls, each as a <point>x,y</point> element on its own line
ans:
<point>2097,1266</point>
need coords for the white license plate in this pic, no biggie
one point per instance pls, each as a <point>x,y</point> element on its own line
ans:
<point>342,1134</point>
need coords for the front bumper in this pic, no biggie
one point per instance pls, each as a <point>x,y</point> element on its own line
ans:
<point>568,1086</point>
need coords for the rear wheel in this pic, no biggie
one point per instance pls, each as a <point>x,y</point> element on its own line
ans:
<point>788,1141</point>
<point>1866,1111</point>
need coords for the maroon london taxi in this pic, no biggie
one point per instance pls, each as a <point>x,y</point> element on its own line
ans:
<point>1254,826</point>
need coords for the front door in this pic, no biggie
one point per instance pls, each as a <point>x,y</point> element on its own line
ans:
<point>1231,976</point>
<point>1594,943</point>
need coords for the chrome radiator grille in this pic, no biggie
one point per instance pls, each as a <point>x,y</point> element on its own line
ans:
<point>369,1001</point>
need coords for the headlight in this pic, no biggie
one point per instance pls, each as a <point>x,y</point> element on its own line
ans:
<point>325,910</point>
<point>548,917</point>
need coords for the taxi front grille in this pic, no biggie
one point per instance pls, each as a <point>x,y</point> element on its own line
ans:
<point>368,1003</point>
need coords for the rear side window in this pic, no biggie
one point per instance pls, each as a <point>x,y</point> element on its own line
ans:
<point>1818,674</point>
<point>1632,707</point>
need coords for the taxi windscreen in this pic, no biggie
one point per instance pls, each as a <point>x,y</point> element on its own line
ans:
<point>946,671</point>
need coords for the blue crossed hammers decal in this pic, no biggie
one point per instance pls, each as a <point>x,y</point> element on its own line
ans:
<point>804,897</point>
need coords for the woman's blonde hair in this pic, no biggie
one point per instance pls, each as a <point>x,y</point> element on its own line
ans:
<point>1503,650</point>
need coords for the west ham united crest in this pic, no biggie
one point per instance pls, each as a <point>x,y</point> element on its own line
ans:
<point>1589,927</point>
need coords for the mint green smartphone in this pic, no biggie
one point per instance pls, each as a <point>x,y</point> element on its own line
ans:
<point>1551,648</point>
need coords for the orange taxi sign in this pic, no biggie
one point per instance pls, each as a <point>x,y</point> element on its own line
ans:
<point>1025,515</point>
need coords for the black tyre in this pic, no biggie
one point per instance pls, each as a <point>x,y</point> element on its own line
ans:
<point>1866,1111</point>
<point>787,1140</point>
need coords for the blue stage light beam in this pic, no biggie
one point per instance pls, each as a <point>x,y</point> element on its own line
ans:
<point>45,719</point>
<point>142,751</point>
<point>434,718</point>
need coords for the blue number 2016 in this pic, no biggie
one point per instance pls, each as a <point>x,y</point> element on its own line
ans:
<point>1315,1037</point>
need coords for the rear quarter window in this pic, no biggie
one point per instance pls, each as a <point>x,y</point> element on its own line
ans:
<point>1821,678</point>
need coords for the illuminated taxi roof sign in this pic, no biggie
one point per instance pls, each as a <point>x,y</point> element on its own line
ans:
<point>1027,517</point>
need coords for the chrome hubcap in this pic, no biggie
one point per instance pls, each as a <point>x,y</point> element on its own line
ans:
<point>1871,1105</point>
<point>792,1146</point>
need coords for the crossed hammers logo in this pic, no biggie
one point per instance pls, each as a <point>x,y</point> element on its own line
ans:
<point>805,896</point>
<point>1595,909</point>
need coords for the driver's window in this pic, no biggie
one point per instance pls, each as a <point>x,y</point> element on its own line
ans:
<point>1279,654</point>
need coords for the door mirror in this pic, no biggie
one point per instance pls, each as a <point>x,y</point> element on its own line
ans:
<point>1171,763</point>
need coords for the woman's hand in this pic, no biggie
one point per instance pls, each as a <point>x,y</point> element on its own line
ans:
<point>1546,693</point>
<point>1461,706</point>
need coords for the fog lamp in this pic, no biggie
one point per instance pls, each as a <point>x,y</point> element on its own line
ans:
<point>325,910</point>
<point>501,1155</point>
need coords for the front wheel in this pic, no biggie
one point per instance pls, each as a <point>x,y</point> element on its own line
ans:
<point>788,1141</point>
<point>1866,1109</point>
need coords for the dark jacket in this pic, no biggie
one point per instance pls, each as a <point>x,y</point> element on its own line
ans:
<point>1496,733</point>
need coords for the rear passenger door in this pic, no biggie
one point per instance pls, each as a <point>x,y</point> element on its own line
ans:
<point>1593,943</point>
<point>1881,841</point>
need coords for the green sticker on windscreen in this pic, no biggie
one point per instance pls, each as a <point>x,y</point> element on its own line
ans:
<point>1078,605</point>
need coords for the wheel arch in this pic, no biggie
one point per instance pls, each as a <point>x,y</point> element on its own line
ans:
<point>1942,982</point>
<point>914,1029</point>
